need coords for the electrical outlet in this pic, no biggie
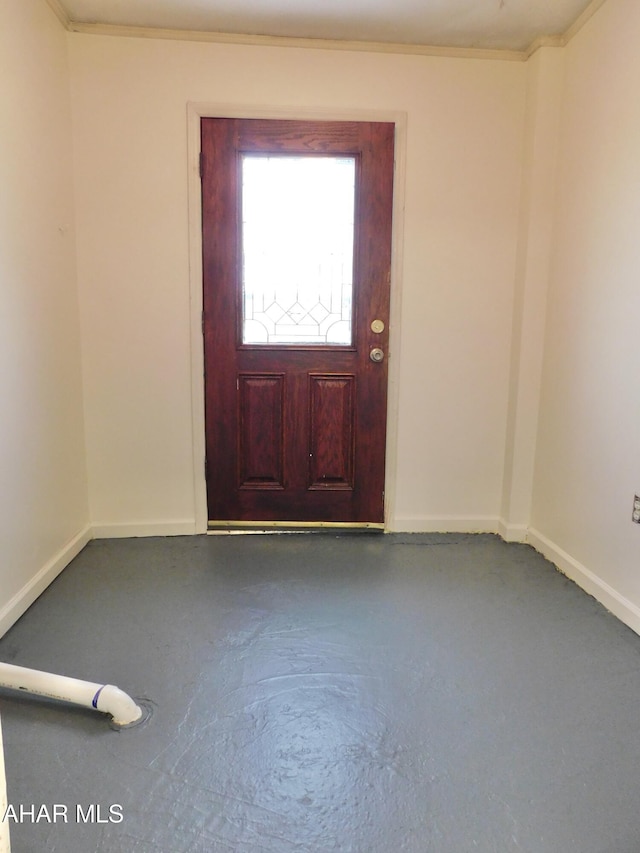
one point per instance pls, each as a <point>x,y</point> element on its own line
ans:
<point>636,509</point>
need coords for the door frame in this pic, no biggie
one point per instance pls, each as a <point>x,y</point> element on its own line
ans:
<point>195,112</point>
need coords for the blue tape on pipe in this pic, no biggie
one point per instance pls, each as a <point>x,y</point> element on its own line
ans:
<point>94,701</point>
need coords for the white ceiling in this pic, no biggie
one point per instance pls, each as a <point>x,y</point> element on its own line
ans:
<point>497,24</point>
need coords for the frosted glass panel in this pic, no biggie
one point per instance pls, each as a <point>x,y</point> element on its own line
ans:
<point>297,250</point>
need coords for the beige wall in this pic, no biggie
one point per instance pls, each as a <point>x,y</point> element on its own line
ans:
<point>544,104</point>
<point>452,340</point>
<point>588,462</point>
<point>43,499</point>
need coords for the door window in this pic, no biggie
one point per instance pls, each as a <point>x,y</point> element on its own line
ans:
<point>297,250</point>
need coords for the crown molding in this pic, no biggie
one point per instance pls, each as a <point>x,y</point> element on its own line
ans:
<point>287,41</point>
<point>582,19</point>
<point>564,39</point>
<point>60,13</point>
<point>545,41</point>
<point>327,44</point>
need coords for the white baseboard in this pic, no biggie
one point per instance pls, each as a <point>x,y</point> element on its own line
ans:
<point>616,603</point>
<point>25,597</point>
<point>177,527</point>
<point>512,532</point>
<point>444,524</point>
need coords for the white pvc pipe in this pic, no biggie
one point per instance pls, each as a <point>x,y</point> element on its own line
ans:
<point>5,841</point>
<point>101,697</point>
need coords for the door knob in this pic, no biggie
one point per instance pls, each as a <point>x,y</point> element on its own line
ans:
<point>376,354</point>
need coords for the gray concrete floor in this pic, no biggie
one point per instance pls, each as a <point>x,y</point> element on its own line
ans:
<point>360,693</point>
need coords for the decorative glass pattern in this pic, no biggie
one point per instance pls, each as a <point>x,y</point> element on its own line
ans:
<point>297,249</point>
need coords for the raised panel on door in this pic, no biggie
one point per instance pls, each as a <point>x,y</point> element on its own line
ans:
<point>332,435</point>
<point>260,431</point>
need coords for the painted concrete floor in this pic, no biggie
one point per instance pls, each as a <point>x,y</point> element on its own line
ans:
<point>362,694</point>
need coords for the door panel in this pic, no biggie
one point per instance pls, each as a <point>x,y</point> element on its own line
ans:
<point>296,431</point>
<point>260,431</point>
<point>332,432</point>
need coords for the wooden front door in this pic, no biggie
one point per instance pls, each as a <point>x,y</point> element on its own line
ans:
<point>296,343</point>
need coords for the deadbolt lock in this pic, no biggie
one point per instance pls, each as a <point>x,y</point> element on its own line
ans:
<point>377,326</point>
<point>376,354</point>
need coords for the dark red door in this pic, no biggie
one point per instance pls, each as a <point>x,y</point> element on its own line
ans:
<point>296,343</point>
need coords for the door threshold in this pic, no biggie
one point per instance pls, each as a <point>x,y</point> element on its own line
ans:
<point>220,528</point>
